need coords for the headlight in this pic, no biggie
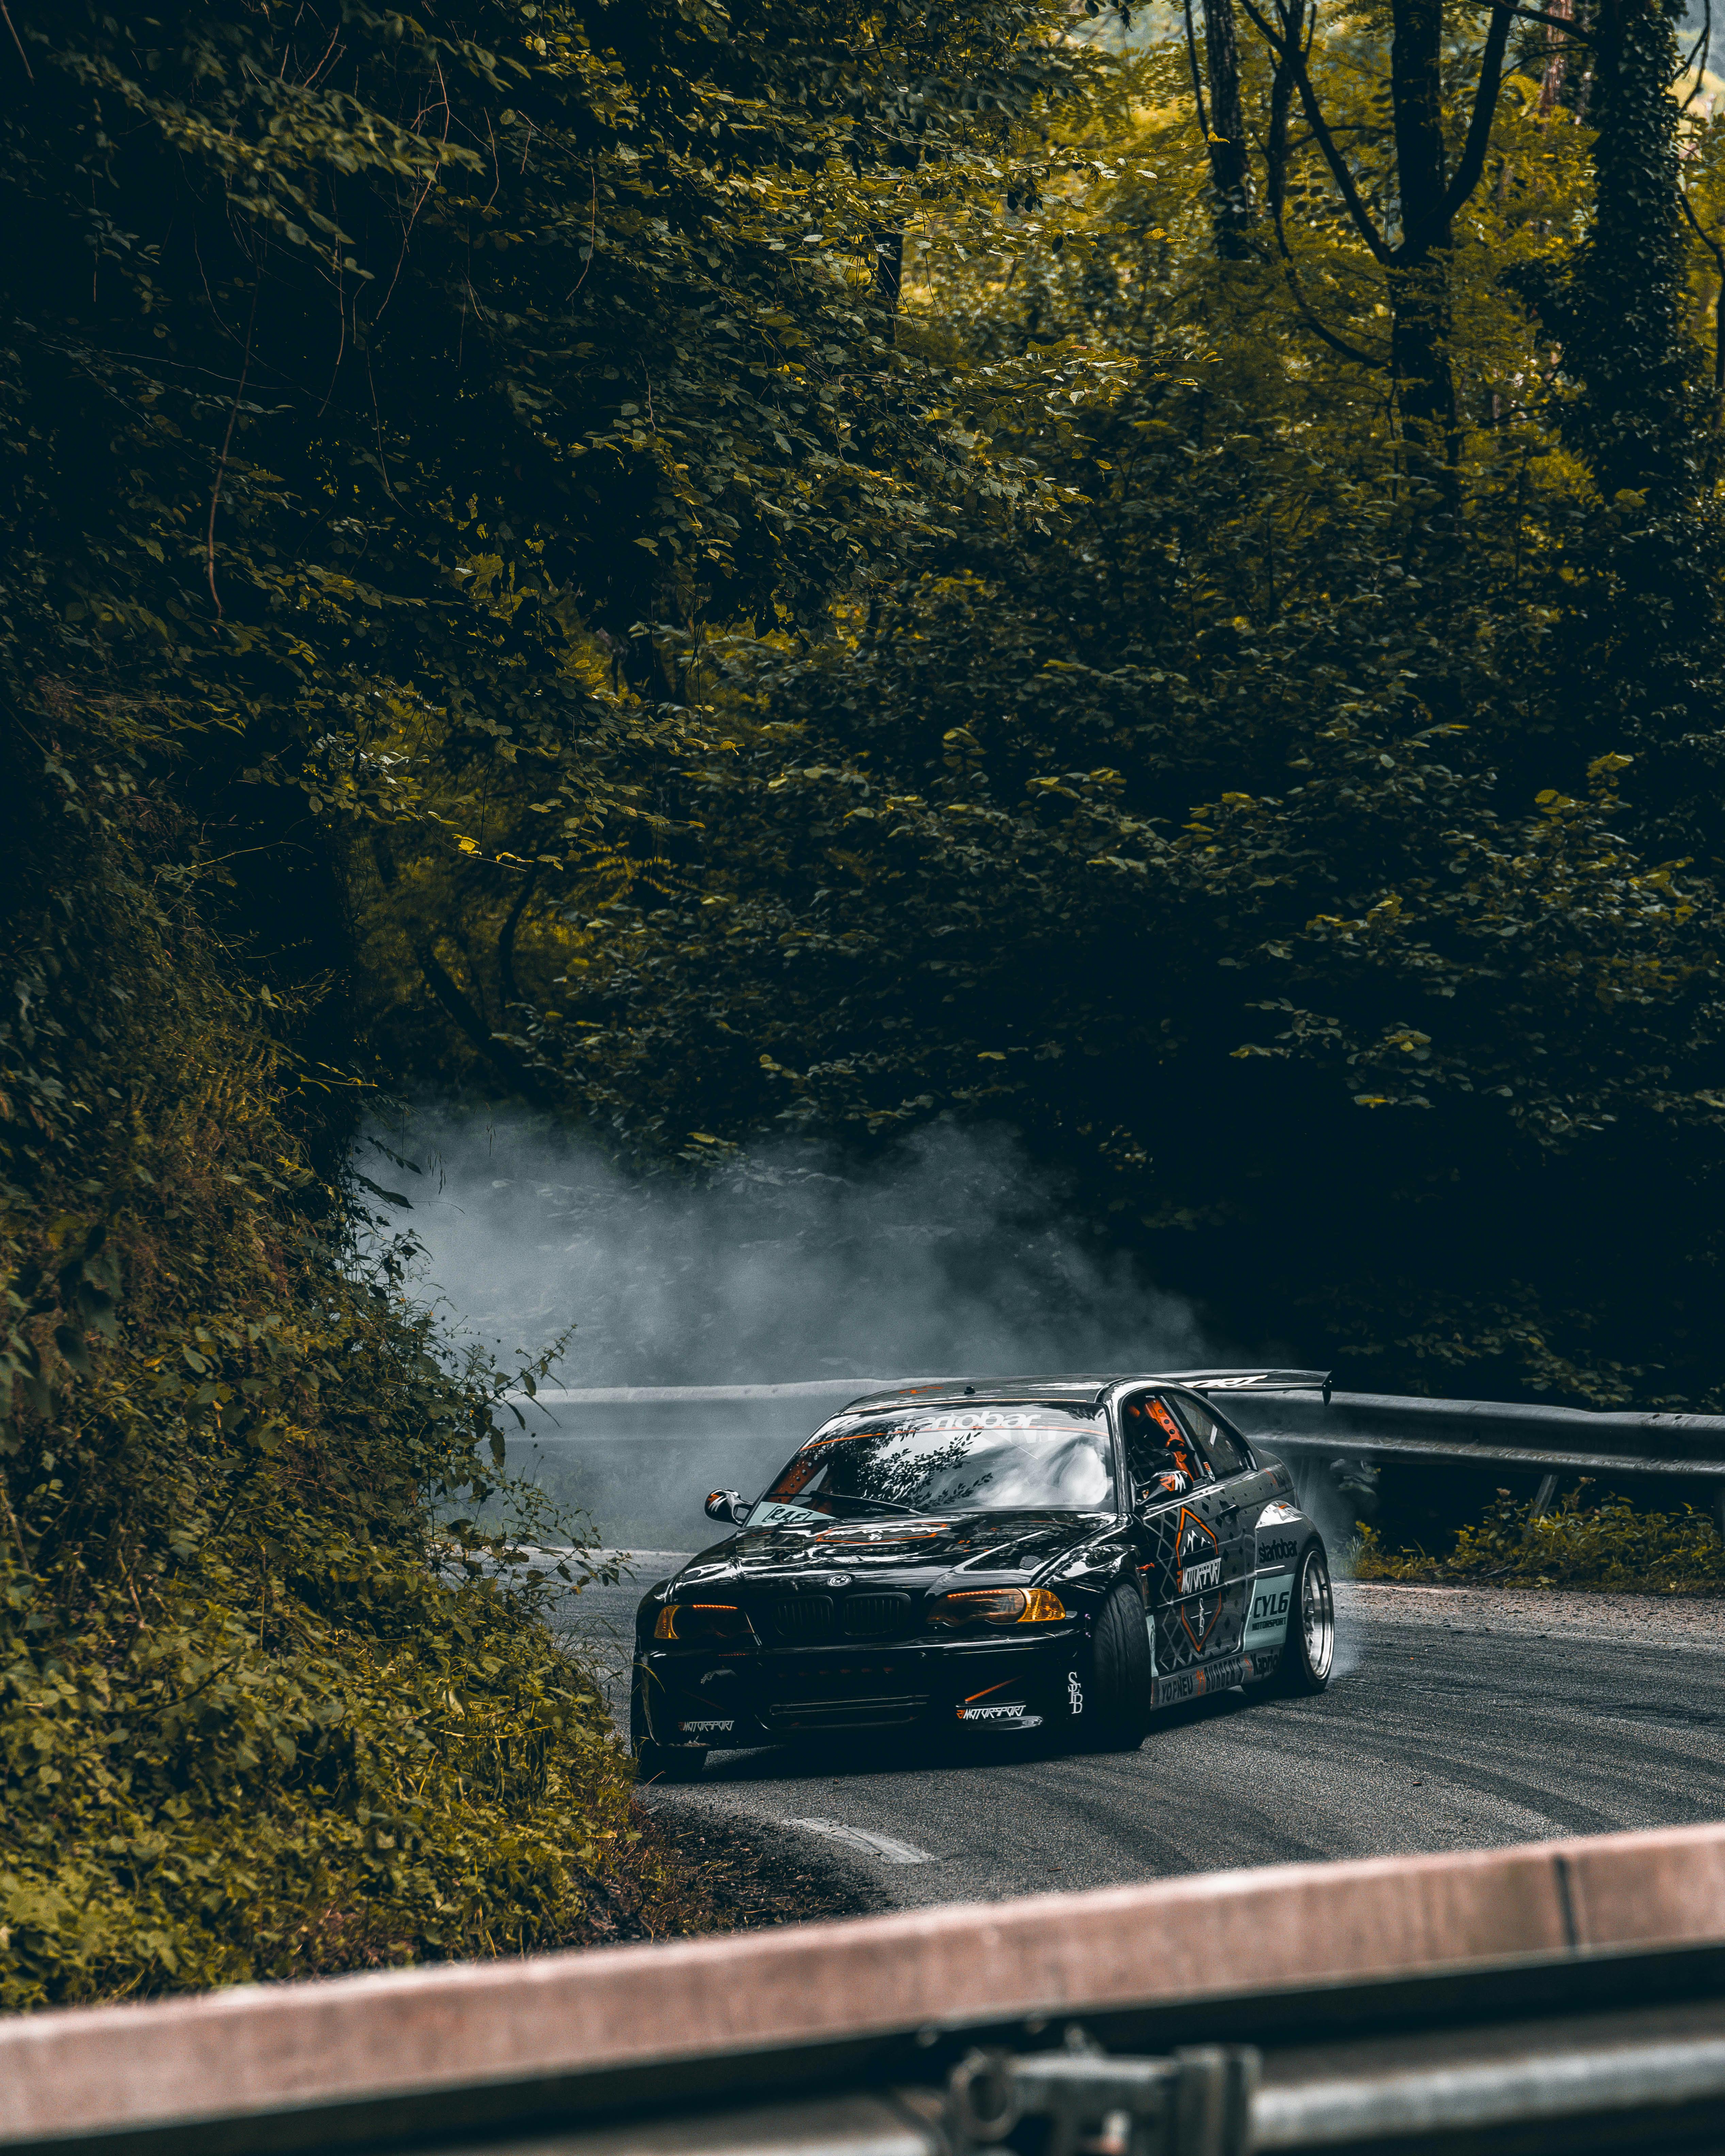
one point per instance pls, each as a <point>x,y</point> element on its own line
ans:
<point>997,1605</point>
<point>701,1621</point>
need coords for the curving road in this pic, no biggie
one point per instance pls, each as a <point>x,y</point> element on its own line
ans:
<point>1462,1718</point>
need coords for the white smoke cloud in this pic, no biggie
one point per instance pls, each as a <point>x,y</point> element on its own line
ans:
<point>952,1253</point>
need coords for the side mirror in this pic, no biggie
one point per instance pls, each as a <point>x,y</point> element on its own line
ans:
<point>728,1506</point>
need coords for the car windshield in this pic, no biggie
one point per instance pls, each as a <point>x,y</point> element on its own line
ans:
<point>1001,1457</point>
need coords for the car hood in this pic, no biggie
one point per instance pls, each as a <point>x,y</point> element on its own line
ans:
<point>969,1542</point>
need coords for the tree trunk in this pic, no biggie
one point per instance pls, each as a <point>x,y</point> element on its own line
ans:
<point>1636,421</point>
<point>1420,277</point>
<point>1648,630</point>
<point>1282,99</point>
<point>1230,170</point>
<point>1556,78</point>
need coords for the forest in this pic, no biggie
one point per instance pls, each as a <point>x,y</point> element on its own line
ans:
<point>1147,577</point>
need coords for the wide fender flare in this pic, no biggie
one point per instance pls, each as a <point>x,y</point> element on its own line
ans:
<point>1280,1537</point>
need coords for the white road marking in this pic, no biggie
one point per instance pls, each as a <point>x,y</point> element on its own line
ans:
<point>883,1845</point>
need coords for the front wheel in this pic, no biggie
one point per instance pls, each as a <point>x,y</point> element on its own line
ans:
<point>655,1762</point>
<point>668,1763</point>
<point>1310,1654</point>
<point>1122,1674</point>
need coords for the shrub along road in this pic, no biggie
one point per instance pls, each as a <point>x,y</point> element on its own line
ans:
<point>1463,1717</point>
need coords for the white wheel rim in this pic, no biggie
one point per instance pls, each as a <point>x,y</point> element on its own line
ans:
<point>1317,1615</point>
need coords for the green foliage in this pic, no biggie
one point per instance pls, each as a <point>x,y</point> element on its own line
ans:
<point>1610,1544</point>
<point>1292,845</point>
<point>269,1701</point>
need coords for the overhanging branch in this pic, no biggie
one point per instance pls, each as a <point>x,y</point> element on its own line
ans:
<point>1287,50</point>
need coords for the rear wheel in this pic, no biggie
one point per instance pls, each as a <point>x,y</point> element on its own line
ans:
<point>1121,1673</point>
<point>1310,1654</point>
<point>655,1762</point>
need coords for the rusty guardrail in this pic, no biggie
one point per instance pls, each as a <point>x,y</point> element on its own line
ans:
<point>1555,1992</point>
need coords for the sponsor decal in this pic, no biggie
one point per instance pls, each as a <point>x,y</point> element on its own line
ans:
<point>1170,1691</point>
<point>1201,1563</point>
<point>1195,1684</point>
<point>705,1728</point>
<point>1279,1515</point>
<point>1197,1540</point>
<point>1075,1693</point>
<point>969,1418</point>
<point>996,1711</point>
<point>1268,1618</point>
<point>1277,1552</point>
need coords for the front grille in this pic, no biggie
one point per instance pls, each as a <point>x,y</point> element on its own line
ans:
<point>880,1712</point>
<point>809,1618</point>
<point>872,1616</point>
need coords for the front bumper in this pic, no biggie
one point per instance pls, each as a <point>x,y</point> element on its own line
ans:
<point>754,1695</point>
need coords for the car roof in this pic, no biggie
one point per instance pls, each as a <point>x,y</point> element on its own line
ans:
<point>1090,1386</point>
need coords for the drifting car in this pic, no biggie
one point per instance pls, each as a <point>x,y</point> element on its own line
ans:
<point>1070,1555</point>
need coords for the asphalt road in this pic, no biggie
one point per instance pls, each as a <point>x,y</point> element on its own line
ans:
<point>1460,1719</point>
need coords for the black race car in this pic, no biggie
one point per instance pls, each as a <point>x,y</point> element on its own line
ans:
<point>1008,1554</point>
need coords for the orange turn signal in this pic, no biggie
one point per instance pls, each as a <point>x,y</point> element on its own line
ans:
<point>701,1621</point>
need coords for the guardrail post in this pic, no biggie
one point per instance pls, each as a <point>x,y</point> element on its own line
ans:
<point>1212,2111</point>
<point>1196,2103</point>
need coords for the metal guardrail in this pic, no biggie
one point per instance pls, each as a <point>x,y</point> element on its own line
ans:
<point>1549,1997</point>
<point>1293,1409</point>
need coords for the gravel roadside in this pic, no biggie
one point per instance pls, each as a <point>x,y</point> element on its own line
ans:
<point>1677,1620</point>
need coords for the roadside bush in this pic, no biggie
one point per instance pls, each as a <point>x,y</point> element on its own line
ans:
<point>1607,1543</point>
<point>271,1702</point>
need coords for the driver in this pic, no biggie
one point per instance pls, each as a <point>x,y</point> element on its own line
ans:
<point>1147,1422</point>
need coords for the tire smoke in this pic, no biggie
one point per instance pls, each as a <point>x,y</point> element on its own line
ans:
<point>951,1253</point>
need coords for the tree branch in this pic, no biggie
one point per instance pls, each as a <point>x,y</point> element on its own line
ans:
<point>1292,275</point>
<point>506,939</point>
<point>1203,118</point>
<point>1484,111</point>
<point>215,492</point>
<point>1717,252</point>
<point>1534,15</point>
<point>498,1054</point>
<point>1289,52</point>
<point>18,41</point>
<point>1703,51</point>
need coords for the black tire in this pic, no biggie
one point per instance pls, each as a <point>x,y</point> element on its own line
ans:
<point>1122,1674</point>
<point>1310,1655</point>
<point>655,1762</point>
<point>669,1763</point>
